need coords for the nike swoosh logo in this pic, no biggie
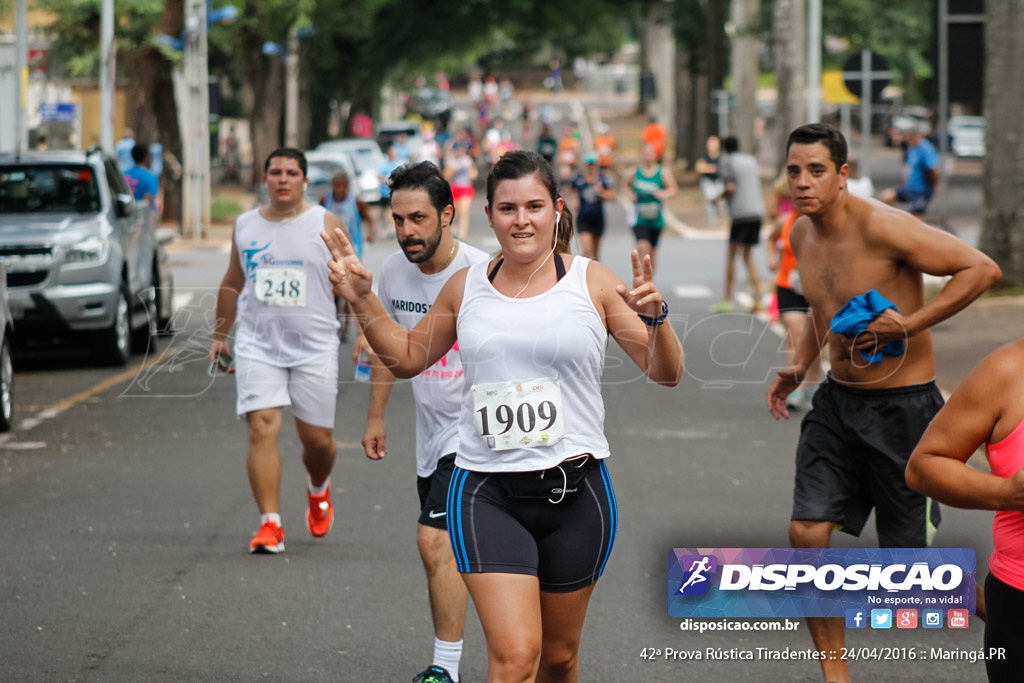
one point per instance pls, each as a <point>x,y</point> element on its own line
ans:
<point>435,515</point>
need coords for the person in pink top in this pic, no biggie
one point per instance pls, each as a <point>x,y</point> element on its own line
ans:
<point>987,408</point>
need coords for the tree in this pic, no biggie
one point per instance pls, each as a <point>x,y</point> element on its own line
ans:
<point>151,110</point>
<point>789,50</point>
<point>899,31</point>
<point>1002,229</point>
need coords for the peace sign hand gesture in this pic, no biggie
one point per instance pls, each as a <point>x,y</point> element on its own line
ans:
<point>350,278</point>
<point>644,298</point>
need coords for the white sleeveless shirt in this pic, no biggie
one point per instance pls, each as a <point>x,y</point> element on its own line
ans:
<point>407,294</point>
<point>555,337</point>
<point>287,314</point>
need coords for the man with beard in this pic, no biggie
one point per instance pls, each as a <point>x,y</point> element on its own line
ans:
<point>409,282</point>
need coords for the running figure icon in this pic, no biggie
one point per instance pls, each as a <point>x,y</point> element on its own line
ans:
<point>697,571</point>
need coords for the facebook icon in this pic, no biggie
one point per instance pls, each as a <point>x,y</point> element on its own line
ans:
<point>855,618</point>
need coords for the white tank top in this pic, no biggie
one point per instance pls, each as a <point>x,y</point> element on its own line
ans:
<point>407,294</point>
<point>287,314</point>
<point>523,343</point>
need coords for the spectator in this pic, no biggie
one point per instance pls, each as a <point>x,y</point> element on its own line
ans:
<point>145,184</point>
<point>921,175</point>
<point>124,147</point>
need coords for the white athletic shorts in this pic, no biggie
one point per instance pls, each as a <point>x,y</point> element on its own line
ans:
<point>311,389</point>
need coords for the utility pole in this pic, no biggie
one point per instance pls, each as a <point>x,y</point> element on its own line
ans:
<point>814,61</point>
<point>660,56</point>
<point>107,73</point>
<point>196,124</point>
<point>291,90</point>
<point>20,70</point>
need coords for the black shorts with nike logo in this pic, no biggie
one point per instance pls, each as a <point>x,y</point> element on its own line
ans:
<point>433,492</point>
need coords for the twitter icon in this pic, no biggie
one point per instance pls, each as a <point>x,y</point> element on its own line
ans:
<point>881,618</point>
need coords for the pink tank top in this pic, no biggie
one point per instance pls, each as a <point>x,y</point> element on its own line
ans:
<point>1007,560</point>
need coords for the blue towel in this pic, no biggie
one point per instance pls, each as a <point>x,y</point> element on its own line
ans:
<point>857,314</point>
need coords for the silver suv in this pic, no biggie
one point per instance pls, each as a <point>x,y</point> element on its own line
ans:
<point>83,259</point>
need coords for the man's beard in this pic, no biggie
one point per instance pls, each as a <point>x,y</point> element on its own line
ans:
<point>429,247</point>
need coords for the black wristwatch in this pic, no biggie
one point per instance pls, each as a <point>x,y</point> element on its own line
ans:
<point>651,322</point>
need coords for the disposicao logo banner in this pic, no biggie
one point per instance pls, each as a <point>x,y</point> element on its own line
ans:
<point>817,582</point>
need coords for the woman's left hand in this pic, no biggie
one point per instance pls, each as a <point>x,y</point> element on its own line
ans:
<point>644,298</point>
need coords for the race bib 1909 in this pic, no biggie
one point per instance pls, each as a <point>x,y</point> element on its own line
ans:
<point>519,414</point>
<point>281,286</point>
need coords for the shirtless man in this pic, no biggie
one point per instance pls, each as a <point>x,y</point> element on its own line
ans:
<point>867,416</point>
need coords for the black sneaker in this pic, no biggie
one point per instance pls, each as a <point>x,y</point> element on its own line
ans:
<point>434,674</point>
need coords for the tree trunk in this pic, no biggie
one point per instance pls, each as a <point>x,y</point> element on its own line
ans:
<point>684,107</point>
<point>788,29</point>
<point>716,62</point>
<point>745,48</point>
<point>142,68</point>
<point>266,77</point>
<point>152,111</point>
<point>1002,229</point>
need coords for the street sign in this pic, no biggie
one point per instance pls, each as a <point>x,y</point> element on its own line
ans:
<point>58,111</point>
<point>866,67</point>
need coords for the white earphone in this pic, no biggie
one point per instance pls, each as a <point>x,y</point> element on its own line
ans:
<point>558,217</point>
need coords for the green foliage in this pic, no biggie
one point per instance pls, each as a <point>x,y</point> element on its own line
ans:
<point>899,31</point>
<point>224,209</point>
<point>76,30</point>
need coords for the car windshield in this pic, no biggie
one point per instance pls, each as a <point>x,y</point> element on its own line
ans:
<point>364,159</point>
<point>48,189</point>
<point>321,171</point>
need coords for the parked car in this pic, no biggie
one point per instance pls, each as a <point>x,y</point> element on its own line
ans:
<point>967,135</point>
<point>322,166</point>
<point>388,132</point>
<point>85,262</point>
<point>6,364</point>
<point>430,104</point>
<point>367,158</point>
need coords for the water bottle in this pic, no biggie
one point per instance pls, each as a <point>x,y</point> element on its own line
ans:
<point>363,367</point>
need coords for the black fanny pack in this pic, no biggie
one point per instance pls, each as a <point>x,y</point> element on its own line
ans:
<point>554,484</point>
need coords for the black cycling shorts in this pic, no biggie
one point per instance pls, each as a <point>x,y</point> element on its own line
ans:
<point>564,544</point>
<point>851,457</point>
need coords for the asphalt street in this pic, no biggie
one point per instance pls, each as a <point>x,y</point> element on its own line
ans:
<point>127,514</point>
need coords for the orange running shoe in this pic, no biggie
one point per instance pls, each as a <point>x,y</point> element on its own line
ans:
<point>320,516</point>
<point>269,539</point>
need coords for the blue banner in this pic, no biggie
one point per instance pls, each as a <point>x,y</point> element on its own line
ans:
<point>866,586</point>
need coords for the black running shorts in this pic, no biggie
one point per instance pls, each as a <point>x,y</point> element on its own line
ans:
<point>851,457</point>
<point>647,233</point>
<point>789,301</point>
<point>745,231</point>
<point>591,224</point>
<point>565,545</point>
<point>433,492</point>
